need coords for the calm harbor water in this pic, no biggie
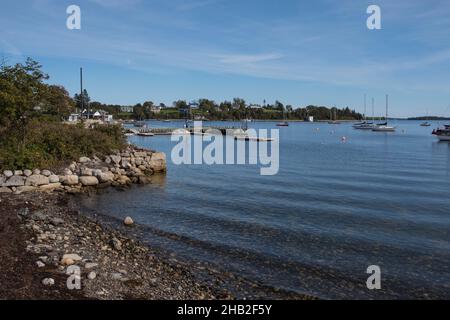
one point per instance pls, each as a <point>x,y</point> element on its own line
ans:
<point>334,209</point>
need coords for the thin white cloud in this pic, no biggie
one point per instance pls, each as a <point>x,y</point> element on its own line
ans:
<point>248,58</point>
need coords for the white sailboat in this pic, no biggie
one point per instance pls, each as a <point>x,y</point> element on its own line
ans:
<point>385,127</point>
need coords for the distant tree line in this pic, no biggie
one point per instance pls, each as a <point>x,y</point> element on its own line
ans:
<point>237,109</point>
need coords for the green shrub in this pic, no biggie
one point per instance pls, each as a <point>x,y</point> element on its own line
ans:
<point>53,144</point>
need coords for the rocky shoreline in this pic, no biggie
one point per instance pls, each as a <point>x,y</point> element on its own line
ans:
<point>121,168</point>
<point>51,250</point>
<point>45,244</point>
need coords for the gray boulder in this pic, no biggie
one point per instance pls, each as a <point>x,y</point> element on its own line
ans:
<point>71,180</point>
<point>89,181</point>
<point>15,181</point>
<point>84,160</point>
<point>86,172</point>
<point>116,159</point>
<point>46,173</point>
<point>106,177</point>
<point>8,173</point>
<point>27,173</point>
<point>37,180</point>
<point>5,190</point>
<point>53,178</point>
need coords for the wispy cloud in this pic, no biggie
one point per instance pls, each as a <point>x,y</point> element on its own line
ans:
<point>116,3</point>
<point>191,5</point>
<point>248,58</point>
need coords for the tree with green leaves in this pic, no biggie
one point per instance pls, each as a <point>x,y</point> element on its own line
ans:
<point>22,92</point>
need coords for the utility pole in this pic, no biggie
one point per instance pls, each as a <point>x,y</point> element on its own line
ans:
<point>81,94</point>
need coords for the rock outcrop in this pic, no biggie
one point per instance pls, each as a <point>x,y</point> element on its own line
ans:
<point>123,168</point>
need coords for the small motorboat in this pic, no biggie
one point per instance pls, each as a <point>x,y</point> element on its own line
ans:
<point>425,124</point>
<point>283,124</point>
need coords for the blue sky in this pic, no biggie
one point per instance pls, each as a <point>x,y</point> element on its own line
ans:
<point>299,52</point>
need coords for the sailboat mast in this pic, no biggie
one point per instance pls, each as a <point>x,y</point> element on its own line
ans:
<point>365,107</point>
<point>387,107</point>
<point>373,109</point>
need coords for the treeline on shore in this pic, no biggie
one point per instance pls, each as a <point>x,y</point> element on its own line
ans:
<point>238,109</point>
<point>32,134</point>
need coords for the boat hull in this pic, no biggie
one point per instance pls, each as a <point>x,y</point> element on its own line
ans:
<point>444,138</point>
<point>384,129</point>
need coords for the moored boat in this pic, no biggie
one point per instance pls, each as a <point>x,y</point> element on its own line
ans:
<point>443,134</point>
<point>385,126</point>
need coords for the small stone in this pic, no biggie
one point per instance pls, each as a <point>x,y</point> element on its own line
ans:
<point>74,257</point>
<point>116,244</point>
<point>116,276</point>
<point>48,282</point>
<point>40,264</point>
<point>92,275</point>
<point>128,221</point>
<point>46,173</point>
<point>116,159</point>
<point>57,221</point>
<point>90,265</point>
<point>24,212</point>
<point>67,262</point>
<point>36,171</point>
<point>53,178</point>
<point>39,216</point>
<point>8,173</point>
<point>84,160</point>
<point>27,173</point>
<point>18,172</point>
